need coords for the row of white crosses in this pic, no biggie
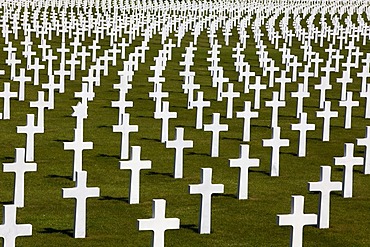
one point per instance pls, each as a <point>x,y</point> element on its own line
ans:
<point>163,112</point>
<point>298,219</point>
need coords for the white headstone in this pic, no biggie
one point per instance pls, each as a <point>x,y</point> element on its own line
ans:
<point>30,130</point>
<point>216,128</point>
<point>135,165</point>
<point>125,128</point>
<point>19,167</point>
<point>257,87</point>
<point>200,104</point>
<point>247,114</point>
<point>81,192</point>
<point>165,115</point>
<point>297,219</point>
<point>9,229</point>
<point>348,161</point>
<point>275,143</point>
<point>325,186</point>
<point>302,127</point>
<point>206,189</point>
<point>366,142</point>
<point>326,114</point>
<point>348,103</point>
<point>179,144</point>
<point>230,95</point>
<point>7,95</point>
<point>275,104</point>
<point>158,223</point>
<point>244,163</point>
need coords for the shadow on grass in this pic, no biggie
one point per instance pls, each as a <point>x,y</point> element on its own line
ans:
<point>7,158</point>
<point>111,198</point>
<point>226,195</point>
<point>144,116</point>
<point>201,154</point>
<point>290,153</point>
<point>259,171</point>
<point>109,156</point>
<point>49,230</point>
<point>62,140</point>
<point>314,139</point>
<point>191,227</point>
<point>167,174</point>
<point>6,202</point>
<point>260,126</point>
<point>59,176</point>
<point>232,138</point>
<point>151,139</point>
<point>105,126</point>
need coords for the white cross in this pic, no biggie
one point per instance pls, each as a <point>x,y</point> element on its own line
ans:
<point>125,128</point>
<point>326,114</point>
<point>366,142</point>
<point>283,80</point>
<point>244,163</point>
<point>83,54</point>
<point>316,60</point>
<point>19,167</point>
<point>165,115</point>
<point>257,87</point>
<point>36,67</point>
<point>157,96</point>
<point>272,69</point>
<point>30,130</point>
<point>179,144</point>
<point>230,95</point>
<point>300,95</point>
<point>246,74</point>
<point>349,161</point>
<point>85,94</point>
<point>7,95</point>
<point>348,104</point>
<point>81,192</point>
<point>323,86</point>
<point>10,230</point>
<point>275,143</point>
<point>51,86</point>
<point>62,73</point>
<point>275,104</point>
<point>78,146</point>
<point>206,189</point>
<point>40,104</point>
<point>73,62</point>
<point>344,80</point>
<point>247,114</point>
<point>302,127</point>
<point>50,59</point>
<point>135,165</point>
<point>200,104</point>
<point>306,74</point>
<point>158,223</point>
<point>364,75</point>
<point>22,79</point>
<point>12,63</point>
<point>189,88</point>
<point>94,48</point>
<point>216,128</point>
<point>325,187</point>
<point>297,219</point>
<point>366,94</point>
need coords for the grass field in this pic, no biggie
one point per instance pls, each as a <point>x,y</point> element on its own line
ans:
<point>112,221</point>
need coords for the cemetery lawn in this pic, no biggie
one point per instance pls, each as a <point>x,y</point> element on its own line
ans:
<point>112,221</point>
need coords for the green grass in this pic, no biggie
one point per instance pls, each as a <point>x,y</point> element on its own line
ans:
<point>111,221</point>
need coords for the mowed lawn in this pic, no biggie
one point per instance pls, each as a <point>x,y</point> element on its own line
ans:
<point>112,221</point>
